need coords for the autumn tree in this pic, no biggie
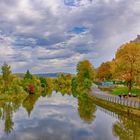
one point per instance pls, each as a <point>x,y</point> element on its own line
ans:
<point>104,71</point>
<point>85,73</point>
<point>63,83</point>
<point>127,63</point>
<point>6,73</point>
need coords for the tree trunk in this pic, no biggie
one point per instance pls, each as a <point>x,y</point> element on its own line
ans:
<point>129,86</point>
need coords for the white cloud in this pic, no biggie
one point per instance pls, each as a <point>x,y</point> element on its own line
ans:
<point>35,34</point>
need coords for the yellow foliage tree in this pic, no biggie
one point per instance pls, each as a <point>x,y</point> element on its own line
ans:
<point>85,70</point>
<point>104,71</point>
<point>127,63</point>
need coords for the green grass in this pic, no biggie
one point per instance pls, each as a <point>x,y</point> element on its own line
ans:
<point>124,90</point>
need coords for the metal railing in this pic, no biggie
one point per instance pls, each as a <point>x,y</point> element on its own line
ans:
<point>116,99</point>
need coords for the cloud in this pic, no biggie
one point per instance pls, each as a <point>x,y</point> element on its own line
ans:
<point>46,36</point>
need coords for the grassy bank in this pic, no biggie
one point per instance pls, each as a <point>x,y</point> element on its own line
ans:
<point>124,90</point>
<point>117,108</point>
<point>118,90</point>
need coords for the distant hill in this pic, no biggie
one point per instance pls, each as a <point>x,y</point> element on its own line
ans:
<point>53,75</point>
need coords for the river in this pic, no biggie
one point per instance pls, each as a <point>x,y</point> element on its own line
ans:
<point>64,117</point>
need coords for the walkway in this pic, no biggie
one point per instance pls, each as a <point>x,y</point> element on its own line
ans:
<point>115,99</point>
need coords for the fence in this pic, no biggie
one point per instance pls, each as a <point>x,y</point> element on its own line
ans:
<point>116,99</point>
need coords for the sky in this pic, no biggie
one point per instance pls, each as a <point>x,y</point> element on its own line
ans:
<point>54,35</point>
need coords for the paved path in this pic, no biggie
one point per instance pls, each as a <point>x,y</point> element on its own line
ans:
<point>115,99</point>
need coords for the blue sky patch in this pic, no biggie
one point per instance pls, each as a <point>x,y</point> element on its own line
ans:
<point>79,30</point>
<point>70,2</point>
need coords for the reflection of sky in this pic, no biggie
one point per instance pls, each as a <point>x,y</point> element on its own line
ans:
<point>56,118</point>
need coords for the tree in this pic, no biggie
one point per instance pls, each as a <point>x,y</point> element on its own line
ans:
<point>28,75</point>
<point>104,71</point>
<point>63,83</point>
<point>85,70</point>
<point>127,63</point>
<point>6,72</point>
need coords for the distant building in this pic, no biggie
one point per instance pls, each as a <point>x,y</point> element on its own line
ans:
<point>107,83</point>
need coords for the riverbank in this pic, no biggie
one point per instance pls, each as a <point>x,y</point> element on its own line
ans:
<point>121,90</point>
<point>118,108</point>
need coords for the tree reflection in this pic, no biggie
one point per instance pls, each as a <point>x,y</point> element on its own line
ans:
<point>29,103</point>
<point>62,84</point>
<point>127,129</point>
<point>7,107</point>
<point>86,107</point>
<point>8,114</point>
<point>47,92</point>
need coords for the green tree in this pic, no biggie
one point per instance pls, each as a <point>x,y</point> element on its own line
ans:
<point>28,75</point>
<point>85,70</point>
<point>63,84</point>
<point>6,73</point>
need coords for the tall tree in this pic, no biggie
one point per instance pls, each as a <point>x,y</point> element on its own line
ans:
<point>127,63</point>
<point>28,75</point>
<point>85,71</point>
<point>104,71</point>
<point>6,72</point>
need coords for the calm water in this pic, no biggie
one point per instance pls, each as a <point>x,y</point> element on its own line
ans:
<point>63,118</point>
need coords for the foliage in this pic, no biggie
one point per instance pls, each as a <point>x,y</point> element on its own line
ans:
<point>31,88</point>
<point>47,86</point>
<point>63,84</point>
<point>84,71</point>
<point>87,83</point>
<point>10,83</point>
<point>74,86</point>
<point>28,75</point>
<point>127,63</point>
<point>43,82</point>
<point>26,82</point>
<point>5,71</point>
<point>104,71</point>
<point>84,78</point>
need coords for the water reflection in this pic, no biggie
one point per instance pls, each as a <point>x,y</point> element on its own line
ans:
<point>6,111</point>
<point>127,129</point>
<point>7,116</point>
<point>63,117</point>
<point>29,103</point>
<point>86,107</point>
